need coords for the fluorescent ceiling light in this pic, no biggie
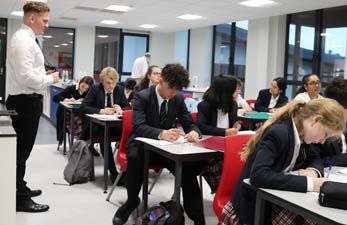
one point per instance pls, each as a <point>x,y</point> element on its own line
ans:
<point>56,46</point>
<point>149,26</point>
<point>257,3</point>
<point>109,22</point>
<point>64,44</point>
<point>189,17</point>
<point>119,8</point>
<point>102,36</point>
<point>17,13</point>
<point>47,36</point>
<point>70,33</point>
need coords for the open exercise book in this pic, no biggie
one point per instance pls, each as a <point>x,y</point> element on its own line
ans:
<point>161,142</point>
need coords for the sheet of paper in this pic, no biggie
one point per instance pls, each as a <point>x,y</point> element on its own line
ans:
<point>161,142</point>
<point>107,117</point>
<point>344,171</point>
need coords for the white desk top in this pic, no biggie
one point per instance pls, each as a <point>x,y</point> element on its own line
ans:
<point>114,117</point>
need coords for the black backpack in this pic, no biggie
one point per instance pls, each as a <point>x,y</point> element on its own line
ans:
<point>166,213</point>
<point>80,167</point>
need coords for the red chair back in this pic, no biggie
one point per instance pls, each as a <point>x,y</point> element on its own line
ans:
<point>126,129</point>
<point>194,116</point>
<point>186,95</point>
<point>231,170</point>
<point>251,103</point>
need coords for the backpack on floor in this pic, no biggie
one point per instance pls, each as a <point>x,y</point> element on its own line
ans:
<point>80,166</point>
<point>166,213</point>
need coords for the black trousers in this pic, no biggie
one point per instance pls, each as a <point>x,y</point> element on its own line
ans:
<point>98,132</point>
<point>192,201</point>
<point>26,123</point>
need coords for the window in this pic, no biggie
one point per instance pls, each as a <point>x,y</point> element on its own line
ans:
<point>133,46</point>
<point>229,49</point>
<point>316,44</point>
<point>106,49</point>
<point>3,38</point>
<point>58,48</point>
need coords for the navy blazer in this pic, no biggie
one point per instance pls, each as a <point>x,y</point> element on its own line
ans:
<point>95,99</point>
<point>265,167</point>
<point>331,153</point>
<point>145,119</point>
<point>207,119</point>
<point>264,98</point>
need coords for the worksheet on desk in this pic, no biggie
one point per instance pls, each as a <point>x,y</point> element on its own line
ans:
<point>161,142</point>
<point>107,117</point>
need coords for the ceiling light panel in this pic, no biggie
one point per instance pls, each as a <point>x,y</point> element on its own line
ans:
<point>119,8</point>
<point>17,13</point>
<point>189,17</point>
<point>148,26</point>
<point>258,3</point>
<point>109,22</point>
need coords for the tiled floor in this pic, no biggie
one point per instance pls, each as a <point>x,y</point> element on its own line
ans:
<point>82,204</point>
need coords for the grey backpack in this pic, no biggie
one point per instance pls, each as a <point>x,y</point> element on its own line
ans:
<point>80,167</point>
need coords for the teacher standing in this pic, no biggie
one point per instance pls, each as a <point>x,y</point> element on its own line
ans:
<point>27,83</point>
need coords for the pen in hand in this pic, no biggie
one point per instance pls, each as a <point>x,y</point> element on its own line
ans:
<point>329,170</point>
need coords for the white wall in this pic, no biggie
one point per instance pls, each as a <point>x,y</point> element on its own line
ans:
<point>161,47</point>
<point>84,50</point>
<point>200,56</point>
<point>265,53</point>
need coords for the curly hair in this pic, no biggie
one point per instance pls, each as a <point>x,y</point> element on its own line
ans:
<point>176,76</point>
<point>337,89</point>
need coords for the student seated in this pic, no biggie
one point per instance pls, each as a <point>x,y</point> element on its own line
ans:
<point>241,103</point>
<point>73,93</point>
<point>272,98</point>
<point>310,88</point>
<point>217,116</point>
<point>129,88</point>
<point>105,98</point>
<point>333,153</point>
<point>154,112</point>
<point>151,78</point>
<point>277,149</point>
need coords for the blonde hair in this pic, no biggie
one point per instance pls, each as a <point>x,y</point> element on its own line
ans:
<point>35,7</point>
<point>110,73</point>
<point>330,110</point>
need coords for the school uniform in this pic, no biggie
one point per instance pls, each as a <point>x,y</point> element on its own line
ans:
<point>94,101</point>
<point>69,92</point>
<point>276,153</point>
<point>333,153</point>
<point>209,123</point>
<point>146,123</point>
<point>264,99</point>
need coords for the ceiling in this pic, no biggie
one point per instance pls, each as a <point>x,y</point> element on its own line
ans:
<point>74,13</point>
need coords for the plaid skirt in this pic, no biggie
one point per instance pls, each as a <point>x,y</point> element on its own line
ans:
<point>77,123</point>
<point>212,172</point>
<point>280,216</point>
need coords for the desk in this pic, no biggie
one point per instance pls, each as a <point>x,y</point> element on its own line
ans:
<point>106,123</point>
<point>180,153</point>
<point>253,117</point>
<point>68,107</point>
<point>305,204</point>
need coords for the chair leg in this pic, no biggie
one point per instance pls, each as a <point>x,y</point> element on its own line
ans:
<point>155,181</point>
<point>200,181</point>
<point>114,185</point>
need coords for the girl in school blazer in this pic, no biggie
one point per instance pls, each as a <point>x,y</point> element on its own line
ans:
<point>276,150</point>
<point>217,115</point>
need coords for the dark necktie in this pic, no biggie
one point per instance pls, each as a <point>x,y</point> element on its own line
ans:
<point>163,114</point>
<point>108,100</point>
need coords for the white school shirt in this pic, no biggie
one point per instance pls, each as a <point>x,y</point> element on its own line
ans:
<point>25,64</point>
<point>241,103</point>
<point>139,68</point>
<point>222,119</point>
<point>273,101</point>
<point>304,96</point>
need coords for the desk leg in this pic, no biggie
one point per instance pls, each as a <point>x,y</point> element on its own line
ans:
<point>64,131</point>
<point>178,181</point>
<point>72,131</point>
<point>263,211</point>
<point>106,149</point>
<point>145,180</point>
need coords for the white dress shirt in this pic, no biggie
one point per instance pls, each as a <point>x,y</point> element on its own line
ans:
<point>139,68</point>
<point>241,103</point>
<point>273,101</point>
<point>25,64</point>
<point>222,119</point>
<point>304,96</point>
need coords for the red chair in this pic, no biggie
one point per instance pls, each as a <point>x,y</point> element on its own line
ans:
<point>251,103</point>
<point>187,95</point>
<point>121,154</point>
<point>231,171</point>
<point>194,116</point>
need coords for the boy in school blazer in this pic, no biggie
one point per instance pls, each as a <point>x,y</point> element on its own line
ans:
<point>154,118</point>
<point>97,102</point>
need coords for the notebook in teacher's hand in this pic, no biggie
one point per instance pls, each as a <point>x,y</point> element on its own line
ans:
<point>214,143</point>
